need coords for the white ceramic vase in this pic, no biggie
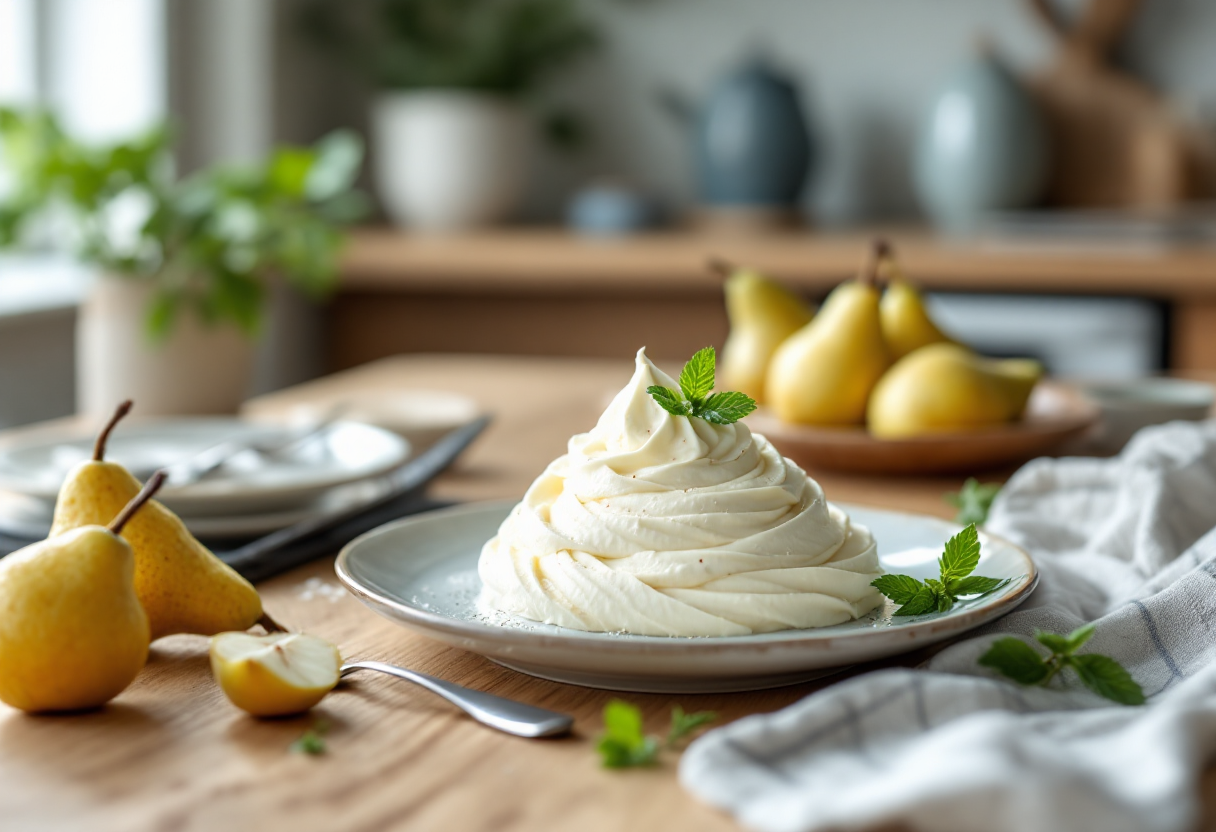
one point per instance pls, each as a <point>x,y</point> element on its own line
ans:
<point>449,160</point>
<point>195,370</point>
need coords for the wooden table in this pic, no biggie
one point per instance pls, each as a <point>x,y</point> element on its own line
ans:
<point>543,291</point>
<point>171,754</point>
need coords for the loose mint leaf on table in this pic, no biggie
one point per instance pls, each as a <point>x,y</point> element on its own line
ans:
<point>726,408</point>
<point>694,399</point>
<point>683,724</point>
<point>1106,677</point>
<point>624,743</point>
<point>1017,660</point>
<point>312,741</point>
<point>959,559</point>
<point>697,377</point>
<point>973,501</point>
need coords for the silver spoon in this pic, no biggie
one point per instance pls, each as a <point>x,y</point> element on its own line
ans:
<point>504,714</point>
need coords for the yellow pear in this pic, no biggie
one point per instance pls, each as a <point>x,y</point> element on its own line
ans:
<point>905,322</point>
<point>274,675</point>
<point>823,373</point>
<point>944,388</point>
<point>73,634</point>
<point>183,586</point>
<point>762,314</point>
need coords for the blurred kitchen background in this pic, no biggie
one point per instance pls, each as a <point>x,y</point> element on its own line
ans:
<point>552,180</point>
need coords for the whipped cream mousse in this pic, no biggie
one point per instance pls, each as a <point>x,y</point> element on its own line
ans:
<point>668,525</point>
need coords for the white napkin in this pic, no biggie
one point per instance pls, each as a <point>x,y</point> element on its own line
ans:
<point>1127,542</point>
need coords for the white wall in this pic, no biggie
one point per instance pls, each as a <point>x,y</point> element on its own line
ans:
<point>868,70</point>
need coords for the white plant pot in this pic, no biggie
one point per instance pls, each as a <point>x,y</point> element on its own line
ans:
<point>448,161</point>
<point>195,370</point>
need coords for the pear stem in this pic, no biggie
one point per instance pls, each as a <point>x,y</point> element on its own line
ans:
<point>270,624</point>
<point>881,252</point>
<point>137,502</point>
<point>721,267</point>
<point>99,447</point>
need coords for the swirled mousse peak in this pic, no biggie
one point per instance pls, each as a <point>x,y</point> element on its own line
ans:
<point>666,525</point>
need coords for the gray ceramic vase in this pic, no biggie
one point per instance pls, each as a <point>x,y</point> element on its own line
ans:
<point>984,147</point>
<point>753,146</point>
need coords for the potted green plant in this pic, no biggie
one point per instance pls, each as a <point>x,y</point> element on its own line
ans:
<point>184,264</point>
<point>449,131</point>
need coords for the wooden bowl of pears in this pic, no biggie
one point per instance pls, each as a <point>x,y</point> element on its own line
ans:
<point>870,384</point>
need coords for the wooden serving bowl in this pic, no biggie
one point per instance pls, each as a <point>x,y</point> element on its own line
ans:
<point>1054,415</point>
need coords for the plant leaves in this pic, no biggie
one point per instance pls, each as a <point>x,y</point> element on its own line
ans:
<point>1107,678</point>
<point>697,377</point>
<point>725,408</point>
<point>1017,660</point>
<point>976,585</point>
<point>624,743</point>
<point>1079,636</point>
<point>962,554</point>
<point>669,400</point>
<point>925,600</point>
<point>683,724</point>
<point>899,588</point>
<point>1055,643</point>
<point>973,501</point>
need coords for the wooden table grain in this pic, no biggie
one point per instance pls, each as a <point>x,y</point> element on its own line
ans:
<point>171,754</point>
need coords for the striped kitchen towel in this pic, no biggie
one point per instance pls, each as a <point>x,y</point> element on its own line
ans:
<point>1127,543</point>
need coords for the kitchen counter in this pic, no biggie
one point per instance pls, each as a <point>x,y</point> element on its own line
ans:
<point>171,754</point>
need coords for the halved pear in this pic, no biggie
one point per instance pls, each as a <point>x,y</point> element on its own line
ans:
<point>276,674</point>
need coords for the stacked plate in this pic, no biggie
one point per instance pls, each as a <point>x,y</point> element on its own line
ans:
<point>261,478</point>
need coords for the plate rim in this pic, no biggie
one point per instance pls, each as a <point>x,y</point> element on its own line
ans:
<point>821,637</point>
<point>196,492</point>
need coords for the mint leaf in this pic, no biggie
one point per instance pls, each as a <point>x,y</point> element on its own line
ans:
<point>925,600</point>
<point>616,754</point>
<point>1017,660</point>
<point>669,400</point>
<point>725,408</point>
<point>697,377</point>
<point>976,585</point>
<point>1106,677</point>
<point>973,501</point>
<point>899,588</point>
<point>623,743</point>
<point>1055,643</point>
<point>693,399</point>
<point>1079,636</point>
<point>312,741</point>
<point>962,554</point>
<point>683,724</point>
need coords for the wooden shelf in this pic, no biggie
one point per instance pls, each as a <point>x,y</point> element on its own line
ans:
<point>538,291</point>
<point>521,261</point>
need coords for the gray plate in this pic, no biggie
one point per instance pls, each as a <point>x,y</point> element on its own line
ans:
<point>421,572</point>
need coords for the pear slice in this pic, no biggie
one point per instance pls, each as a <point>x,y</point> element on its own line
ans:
<point>276,674</point>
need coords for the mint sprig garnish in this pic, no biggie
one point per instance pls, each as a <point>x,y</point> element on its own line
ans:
<point>1017,660</point>
<point>958,561</point>
<point>973,500</point>
<point>624,744</point>
<point>694,399</point>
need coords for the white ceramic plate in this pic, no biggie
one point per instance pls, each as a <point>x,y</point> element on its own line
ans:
<point>247,484</point>
<point>421,572</point>
<point>31,517</point>
<point>421,416</point>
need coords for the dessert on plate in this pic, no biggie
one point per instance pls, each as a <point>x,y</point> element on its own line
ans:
<point>661,524</point>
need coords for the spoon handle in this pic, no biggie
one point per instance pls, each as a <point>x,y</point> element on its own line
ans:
<point>504,714</point>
